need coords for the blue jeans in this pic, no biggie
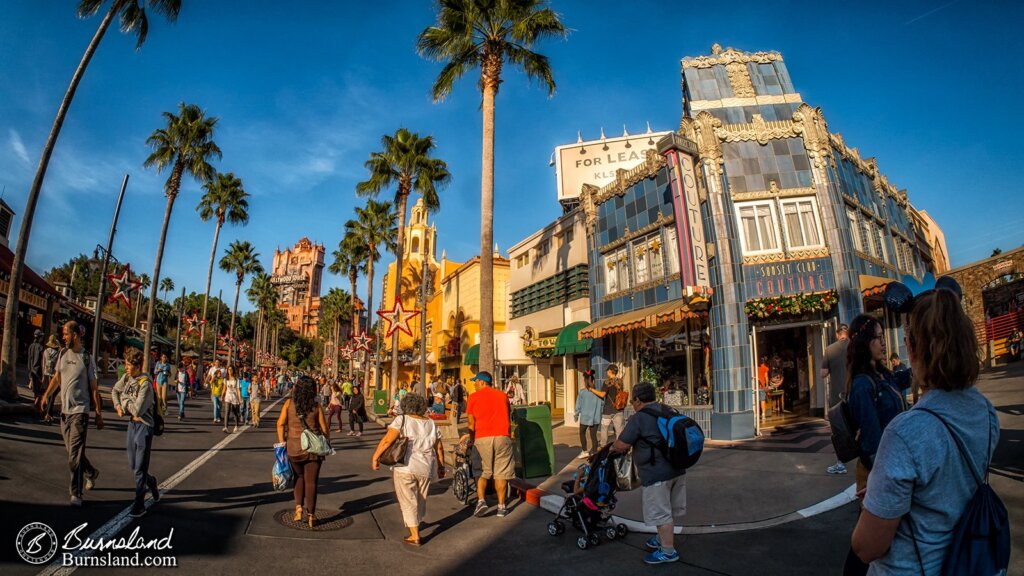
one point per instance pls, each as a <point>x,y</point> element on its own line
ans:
<point>140,441</point>
<point>245,409</point>
<point>181,404</point>
<point>216,407</point>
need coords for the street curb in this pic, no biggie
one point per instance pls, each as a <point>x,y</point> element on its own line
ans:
<point>553,503</point>
<point>17,408</point>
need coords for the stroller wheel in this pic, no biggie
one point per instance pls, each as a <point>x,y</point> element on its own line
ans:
<point>594,540</point>
<point>582,543</point>
<point>553,529</point>
<point>611,533</point>
<point>622,530</point>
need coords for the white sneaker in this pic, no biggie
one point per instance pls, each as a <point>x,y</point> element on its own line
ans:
<point>837,468</point>
<point>351,433</point>
<point>236,429</point>
<point>584,455</point>
<point>358,434</point>
<point>76,501</point>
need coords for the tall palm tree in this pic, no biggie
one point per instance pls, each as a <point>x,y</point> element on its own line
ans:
<point>349,259</point>
<point>334,306</point>
<point>406,161</point>
<point>225,201</point>
<point>241,259</point>
<point>375,225</point>
<point>144,283</point>
<point>488,34</point>
<point>262,294</point>
<point>133,20</point>
<point>185,146</point>
<point>166,285</point>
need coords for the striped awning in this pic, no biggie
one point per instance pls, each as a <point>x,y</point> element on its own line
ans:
<point>871,285</point>
<point>675,311</point>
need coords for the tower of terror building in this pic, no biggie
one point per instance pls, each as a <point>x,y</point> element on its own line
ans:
<point>297,274</point>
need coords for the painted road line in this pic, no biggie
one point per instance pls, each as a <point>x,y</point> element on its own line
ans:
<point>122,519</point>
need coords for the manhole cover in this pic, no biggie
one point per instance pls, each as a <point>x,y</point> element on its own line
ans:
<point>284,518</point>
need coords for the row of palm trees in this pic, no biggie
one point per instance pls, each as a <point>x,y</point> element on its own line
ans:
<point>469,35</point>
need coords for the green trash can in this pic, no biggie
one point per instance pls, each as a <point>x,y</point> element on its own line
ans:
<point>534,449</point>
<point>380,402</point>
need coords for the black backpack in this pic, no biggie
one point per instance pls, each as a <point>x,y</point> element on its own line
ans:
<point>844,429</point>
<point>682,440</point>
<point>981,538</point>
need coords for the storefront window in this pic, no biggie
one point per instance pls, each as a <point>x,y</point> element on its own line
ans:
<point>801,220</point>
<point>851,218</point>
<point>671,250</point>
<point>640,257</point>
<point>757,223</point>
<point>880,243</point>
<point>622,268</point>
<point>611,276</point>
<point>657,254</point>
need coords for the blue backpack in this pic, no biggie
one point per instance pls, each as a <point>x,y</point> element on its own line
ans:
<point>981,538</point>
<point>682,439</point>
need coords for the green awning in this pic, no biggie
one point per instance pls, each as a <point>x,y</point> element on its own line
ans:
<point>134,342</point>
<point>568,341</point>
<point>472,356</point>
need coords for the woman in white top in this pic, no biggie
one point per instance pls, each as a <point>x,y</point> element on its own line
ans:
<point>232,399</point>
<point>423,462</point>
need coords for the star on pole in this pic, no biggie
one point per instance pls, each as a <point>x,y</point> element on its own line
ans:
<point>346,352</point>
<point>361,342</point>
<point>124,285</point>
<point>193,323</point>
<point>398,318</point>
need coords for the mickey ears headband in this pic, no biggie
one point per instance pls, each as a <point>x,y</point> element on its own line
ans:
<point>900,296</point>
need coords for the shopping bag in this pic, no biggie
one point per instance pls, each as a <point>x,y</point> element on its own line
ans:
<point>282,471</point>
<point>626,475</point>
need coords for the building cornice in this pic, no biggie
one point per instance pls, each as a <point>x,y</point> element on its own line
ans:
<point>729,56</point>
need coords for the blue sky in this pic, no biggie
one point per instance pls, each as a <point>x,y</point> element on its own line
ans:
<point>303,95</point>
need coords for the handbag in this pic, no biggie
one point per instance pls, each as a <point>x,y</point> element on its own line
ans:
<point>626,476</point>
<point>313,442</point>
<point>395,453</point>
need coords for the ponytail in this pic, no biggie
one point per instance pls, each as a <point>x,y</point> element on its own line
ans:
<point>942,338</point>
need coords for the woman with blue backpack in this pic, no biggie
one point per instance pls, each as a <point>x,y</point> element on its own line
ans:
<point>928,508</point>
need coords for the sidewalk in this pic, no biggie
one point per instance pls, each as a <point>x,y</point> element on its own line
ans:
<point>736,485</point>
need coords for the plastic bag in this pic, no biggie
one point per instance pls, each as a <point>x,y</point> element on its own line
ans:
<point>282,471</point>
<point>626,476</point>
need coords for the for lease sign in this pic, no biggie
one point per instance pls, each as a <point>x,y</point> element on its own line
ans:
<point>596,161</point>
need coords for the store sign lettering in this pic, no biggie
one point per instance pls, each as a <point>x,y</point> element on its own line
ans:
<point>595,162</point>
<point>782,278</point>
<point>693,257</point>
<point>541,343</point>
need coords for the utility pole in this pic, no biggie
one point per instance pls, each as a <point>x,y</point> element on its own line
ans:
<point>423,324</point>
<point>97,329</point>
<point>177,339</point>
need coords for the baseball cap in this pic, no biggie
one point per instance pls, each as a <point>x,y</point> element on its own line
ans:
<point>484,377</point>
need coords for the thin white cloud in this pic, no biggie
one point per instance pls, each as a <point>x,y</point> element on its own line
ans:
<point>18,146</point>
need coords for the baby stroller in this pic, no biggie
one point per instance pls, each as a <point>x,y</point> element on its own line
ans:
<point>589,501</point>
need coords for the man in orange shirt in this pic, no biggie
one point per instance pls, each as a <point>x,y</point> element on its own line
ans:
<point>489,412</point>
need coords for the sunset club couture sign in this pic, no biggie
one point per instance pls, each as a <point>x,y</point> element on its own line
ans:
<point>793,277</point>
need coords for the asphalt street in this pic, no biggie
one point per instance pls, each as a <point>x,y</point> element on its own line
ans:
<point>222,509</point>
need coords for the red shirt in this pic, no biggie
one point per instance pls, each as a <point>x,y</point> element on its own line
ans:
<point>490,409</point>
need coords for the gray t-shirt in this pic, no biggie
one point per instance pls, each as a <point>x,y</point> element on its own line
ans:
<point>918,469</point>
<point>641,432</point>
<point>75,397</point>
<point>835,362</point>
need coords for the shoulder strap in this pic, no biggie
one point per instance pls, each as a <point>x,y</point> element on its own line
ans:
<point>959,443</point>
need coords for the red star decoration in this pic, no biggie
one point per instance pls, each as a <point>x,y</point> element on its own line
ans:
<point>124,285</point>
<point>346,353</point>
<point>194,323</point>
<point>361,342</point>
<point>398,318</point>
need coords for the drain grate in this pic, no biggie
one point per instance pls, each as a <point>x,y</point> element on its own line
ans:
<point>284,518</point>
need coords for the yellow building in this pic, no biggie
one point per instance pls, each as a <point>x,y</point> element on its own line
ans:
<point>452,314</point>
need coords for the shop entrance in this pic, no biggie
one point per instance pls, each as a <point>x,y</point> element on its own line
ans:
<point>786,361</point>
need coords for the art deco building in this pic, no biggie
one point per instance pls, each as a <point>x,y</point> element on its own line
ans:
<point>297,273</point>
<point>751,233</point>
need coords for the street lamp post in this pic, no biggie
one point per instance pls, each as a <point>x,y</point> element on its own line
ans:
<point>177,339</point>
<point>423,324</point>
<point>97,330</point>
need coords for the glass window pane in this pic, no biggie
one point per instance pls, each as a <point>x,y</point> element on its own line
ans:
<point>810,224</point>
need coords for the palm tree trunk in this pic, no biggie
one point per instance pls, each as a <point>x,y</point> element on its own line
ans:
<point>487,235</point>
<point>138,304</point>
<point>231,327</point>
<point>355,313</point>
<point>173,185</point>
<point>9,350</point>
<point>369,314</point>
<point>206,297</point>
<point>399,254</point>
<point>337,345</point>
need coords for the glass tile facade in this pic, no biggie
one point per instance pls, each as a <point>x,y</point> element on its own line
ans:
<point>751,167</point>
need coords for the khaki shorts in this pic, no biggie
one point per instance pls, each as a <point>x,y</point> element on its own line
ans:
<point>496,459</point>
<point>665,502</point>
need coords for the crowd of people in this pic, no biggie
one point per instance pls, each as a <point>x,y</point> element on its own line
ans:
<point>917,467</point>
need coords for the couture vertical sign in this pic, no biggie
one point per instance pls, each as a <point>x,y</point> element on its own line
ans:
<point>693,257</point>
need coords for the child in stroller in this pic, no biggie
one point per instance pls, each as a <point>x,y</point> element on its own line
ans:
<point>589,501</point>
